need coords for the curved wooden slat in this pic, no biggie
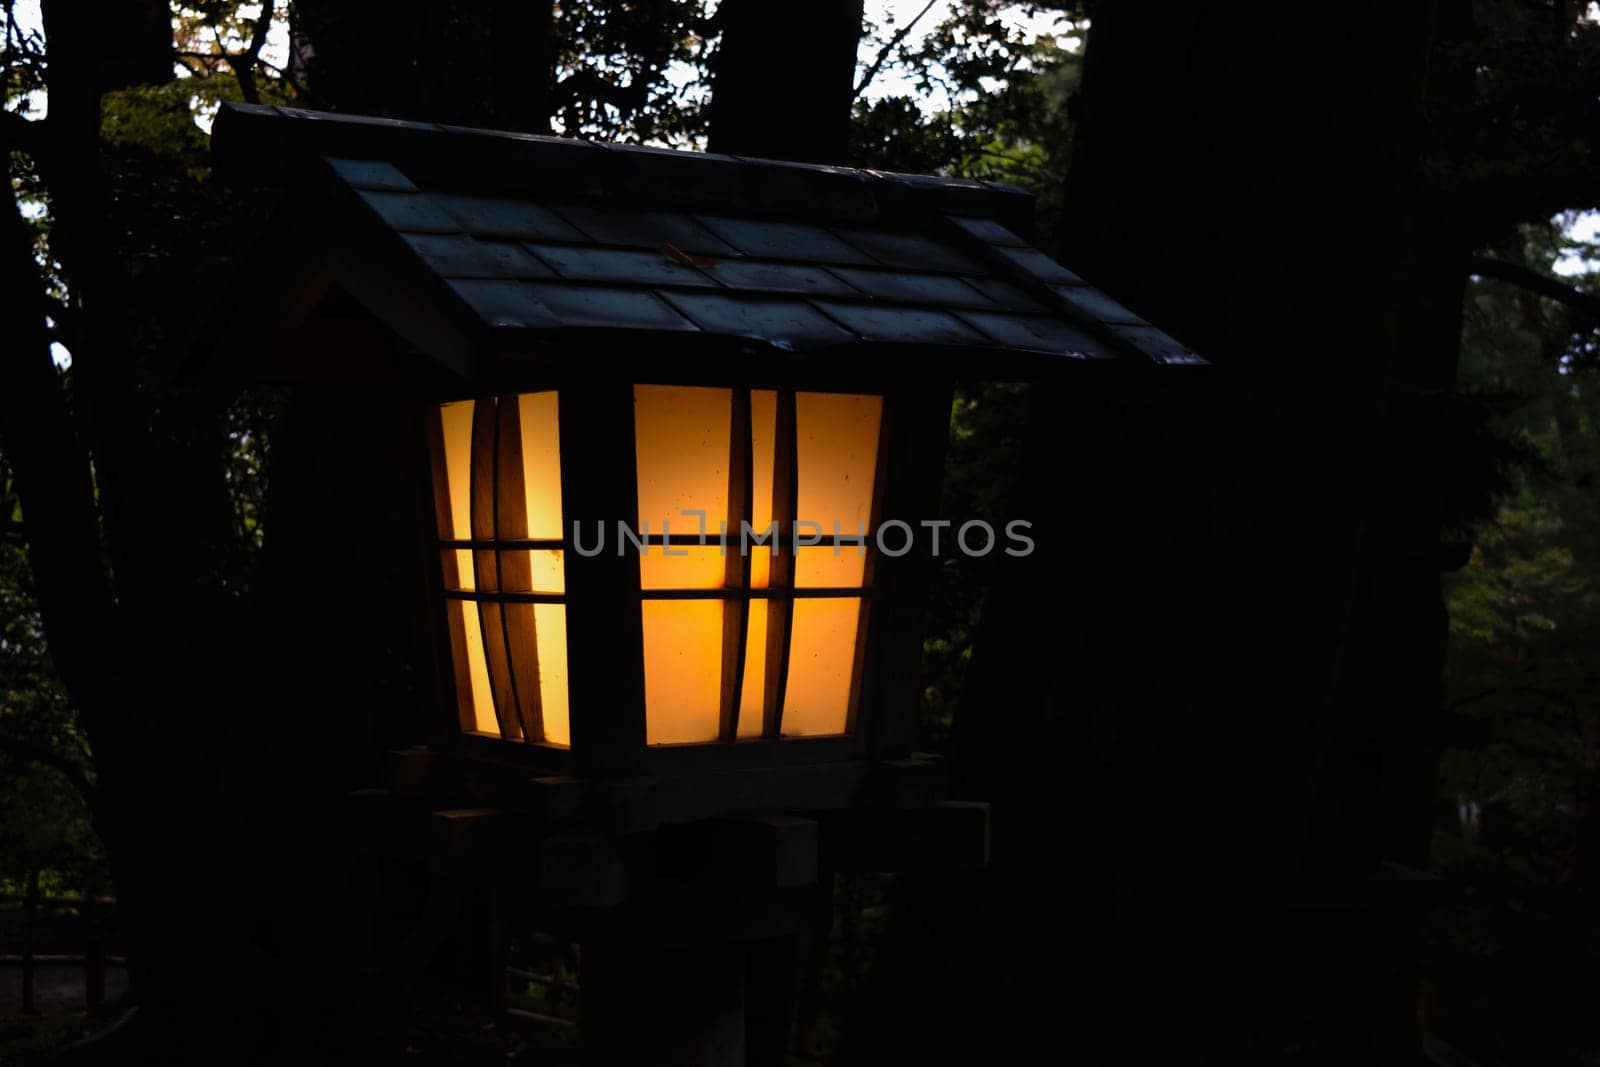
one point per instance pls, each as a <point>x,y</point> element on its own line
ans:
<point>880,474</point>
<point>519,628</point>
<point>485,437</point>
<point>455,622</point>
<point>780,611</point>
<point>736,564</point>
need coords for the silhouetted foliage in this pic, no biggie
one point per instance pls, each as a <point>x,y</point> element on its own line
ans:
<point>116,240</point>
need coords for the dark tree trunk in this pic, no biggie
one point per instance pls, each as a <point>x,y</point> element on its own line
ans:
<point>139,647</point>
<point>221,755</point>
<point>1156,689</point>
<point>523,64</point>
<point>432,60</point>
<point>784,77</point>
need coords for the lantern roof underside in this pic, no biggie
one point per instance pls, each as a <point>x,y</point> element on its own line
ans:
<point>521,241</point>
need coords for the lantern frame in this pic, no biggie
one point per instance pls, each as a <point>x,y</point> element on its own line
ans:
<point>604,595</point>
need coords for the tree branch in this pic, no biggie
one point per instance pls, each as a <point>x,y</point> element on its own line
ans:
<point>1534,282</point>
<point>888,49</point>
<point>244,64</point>
<point>22,135</point>
<point>1039,174</point>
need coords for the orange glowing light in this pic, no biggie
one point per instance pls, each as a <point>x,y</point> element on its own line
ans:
<point>742,457</point>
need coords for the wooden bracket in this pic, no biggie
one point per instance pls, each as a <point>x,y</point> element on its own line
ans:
<point>949,837</point>
<point>918,782</point>
<point>415,772</point>
<point>773,851</point>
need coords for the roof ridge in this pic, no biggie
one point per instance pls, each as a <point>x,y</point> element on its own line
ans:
<point>284,146</point>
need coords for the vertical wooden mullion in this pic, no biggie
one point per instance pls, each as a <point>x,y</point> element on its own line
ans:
<point>736,563</point>
<point>453,611</point>
<point>886,428</point>
<point>915,437</point>
<point>780,606</point>
<point>517,621</point>
<point>605,629</point>
<point>487,564</point>
<point>507,674</point>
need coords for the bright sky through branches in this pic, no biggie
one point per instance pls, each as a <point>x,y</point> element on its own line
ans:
<point>889,16</point>
<point>1583,229</point>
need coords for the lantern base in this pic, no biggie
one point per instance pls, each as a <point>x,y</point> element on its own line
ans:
<point>667,912</point>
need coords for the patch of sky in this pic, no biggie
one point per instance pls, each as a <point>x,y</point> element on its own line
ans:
<point>886,18</point>
<point>889,17</point>
<point>1581,230</point>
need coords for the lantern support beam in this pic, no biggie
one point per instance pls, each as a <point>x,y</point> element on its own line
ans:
<point>604,629</point>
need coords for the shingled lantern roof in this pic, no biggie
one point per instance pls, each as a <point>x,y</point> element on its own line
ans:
<point>475,246</point>
<point>740,367</point>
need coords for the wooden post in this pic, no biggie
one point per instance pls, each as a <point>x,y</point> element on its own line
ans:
<point>473,961</point>
<point>499,935</point>
<point>677,1008</point>
<point>814,942</point>
<point>769,994</point>
<point>918,424</point>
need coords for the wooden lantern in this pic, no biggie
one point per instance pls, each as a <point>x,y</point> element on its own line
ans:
<point>671,405</point>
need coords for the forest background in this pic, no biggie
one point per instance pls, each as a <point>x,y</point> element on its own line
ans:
<point>114,235</point>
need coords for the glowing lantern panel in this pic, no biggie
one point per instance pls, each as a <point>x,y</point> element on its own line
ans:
<point>744,637</point>
<point>497,488</point>
<point>782,464</point>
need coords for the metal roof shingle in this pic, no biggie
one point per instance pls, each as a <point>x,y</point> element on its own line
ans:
<point>618,265</point>
<point>372,174</point>
<point>988,231</point>
<point>456,255</point>
<point>913,250</point>
<point>902,325</point>
<point>771,277</point>
<point>512,260</point>
<point>504,303</point>
<point>783,240</point>
<point>908,288</point>
<point>1093,303</point>
<point>1039,332</point>
<point>1157,345</point>
<point>614,226</point>
<point>1004,293</point>
<point>1038,265</point>
<point>409,212</point>
<point>782,322</point>
<point>494,216</point>
<point>607,306</point>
